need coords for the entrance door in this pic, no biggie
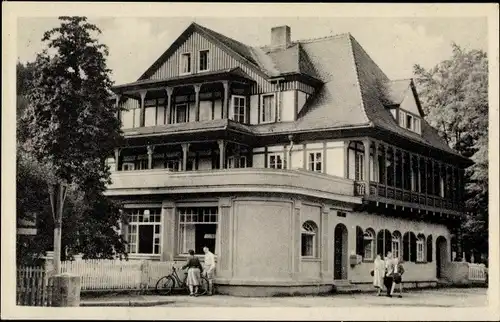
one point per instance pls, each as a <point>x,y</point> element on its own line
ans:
<point>340,253</point>
<point>441,255</point>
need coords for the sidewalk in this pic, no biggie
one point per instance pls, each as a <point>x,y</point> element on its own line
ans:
<point>442,297</point>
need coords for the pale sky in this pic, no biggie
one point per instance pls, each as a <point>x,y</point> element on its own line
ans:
<point>395,44</point>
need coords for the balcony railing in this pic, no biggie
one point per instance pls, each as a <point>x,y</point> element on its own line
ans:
<point>297,181</point>
<point>381,190</point>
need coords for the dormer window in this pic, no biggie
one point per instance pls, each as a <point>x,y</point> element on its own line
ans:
<point>204,63</point>
<point>409,121</point>
<point>185,63</point>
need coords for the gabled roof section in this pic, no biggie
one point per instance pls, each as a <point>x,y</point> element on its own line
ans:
<point>235,47</point>
<point>376,89</point>
<point>397,89</point>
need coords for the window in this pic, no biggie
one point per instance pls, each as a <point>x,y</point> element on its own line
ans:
<point>238,109</point>
<point>315,161</point>
<point>268,109</point>
<point>396,244</point>
<point>308,241</point>
<point>409,122</point>
<point>384,242</point>
<point>231,164</point>
<point>197,228</point>
<point>128,166</point>
<point>420,249</point>
<point>369,244</point>
<point>359,166</point>
<point>181,113</point>
<point>141,164</point>
<point>143,233</point>
<point>185,63</point>
<point>204,66</point>
<point>172,164</point>
<point>276,161</point>
<point>429,249</point>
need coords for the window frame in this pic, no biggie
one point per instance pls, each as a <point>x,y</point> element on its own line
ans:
<point>182,249</point>
<point>281,155</point>
<point>313,165</point>
<point>420,258</point>
<point>372,241</point>
<point>273,109</point>
<point>130,166</point>
<point>207,60</point>
<point>181,62</point>
<point>312,232</point>
<point>232,158</point>
<point>138,212</point>
<point>233,111</point>
<point>186,105</point>
<point>396,240</point>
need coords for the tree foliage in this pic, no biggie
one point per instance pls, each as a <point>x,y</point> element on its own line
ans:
<point>67,127</point>
<point>454,96</point>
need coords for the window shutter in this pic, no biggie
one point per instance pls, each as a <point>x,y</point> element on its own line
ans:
<point>413,248</point>
<point>231,109</point>
<point>387,241</point>
<point>380,243</point>
<point>402,117</point>
<point>406,247</point>
<point>429,249</point>
<point>359,241</point>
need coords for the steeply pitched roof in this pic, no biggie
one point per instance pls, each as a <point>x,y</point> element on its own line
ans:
<point>354,91</point>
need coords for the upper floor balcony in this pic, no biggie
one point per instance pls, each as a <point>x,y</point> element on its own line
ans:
<point>260,180</point>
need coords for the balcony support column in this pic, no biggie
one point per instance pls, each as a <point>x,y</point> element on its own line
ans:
<point>376,166</point>
<point>117,106</point>
<point>386,168</point>
<point>403,159</point>
<point>222,153</point>
<point>366,170</point>
<point>185,150</point>
<point>168,112</point>
<point>225,105</point>
<point>151,149</point>
<point>394,172</point>
<point>433,176</point>
<point>346,159</point>
<point>117,159</point>
<point>197,88</point>
<point>142,119</point>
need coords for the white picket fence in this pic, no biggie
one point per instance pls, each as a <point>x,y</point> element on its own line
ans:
<point>477,272</point>
<point>119,274</point>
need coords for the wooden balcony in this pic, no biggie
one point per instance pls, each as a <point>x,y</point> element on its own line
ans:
<point>262,180</point>
<point>378,190</point>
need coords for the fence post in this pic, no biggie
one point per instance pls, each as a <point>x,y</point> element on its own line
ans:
<point>145,268</point>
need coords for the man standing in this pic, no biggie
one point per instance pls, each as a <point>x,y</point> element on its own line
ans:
<point>209,269</point>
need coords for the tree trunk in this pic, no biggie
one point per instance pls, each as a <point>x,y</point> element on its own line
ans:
<point>57,196</point>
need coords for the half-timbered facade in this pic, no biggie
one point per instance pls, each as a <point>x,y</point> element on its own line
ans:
<point>295,162</point>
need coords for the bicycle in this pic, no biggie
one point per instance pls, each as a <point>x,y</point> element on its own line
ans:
<point>166,284</point>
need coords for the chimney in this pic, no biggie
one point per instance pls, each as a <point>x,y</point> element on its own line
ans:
<point>280,36</point>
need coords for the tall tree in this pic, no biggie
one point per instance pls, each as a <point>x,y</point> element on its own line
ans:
<point>71,123</point>
<point>454,96</point>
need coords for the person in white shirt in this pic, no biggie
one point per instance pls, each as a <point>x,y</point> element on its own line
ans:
<point>209,270</point>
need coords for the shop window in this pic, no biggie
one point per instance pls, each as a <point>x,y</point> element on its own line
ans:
<point>143,233</point>
<point>197,228</point>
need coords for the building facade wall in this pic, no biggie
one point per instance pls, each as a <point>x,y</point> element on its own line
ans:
<point>258,239</point>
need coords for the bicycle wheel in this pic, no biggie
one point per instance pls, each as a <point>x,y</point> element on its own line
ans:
<point>203,288</point>
<point>165,285</point>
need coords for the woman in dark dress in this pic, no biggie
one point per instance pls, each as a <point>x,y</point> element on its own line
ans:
<point>194,273</point>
